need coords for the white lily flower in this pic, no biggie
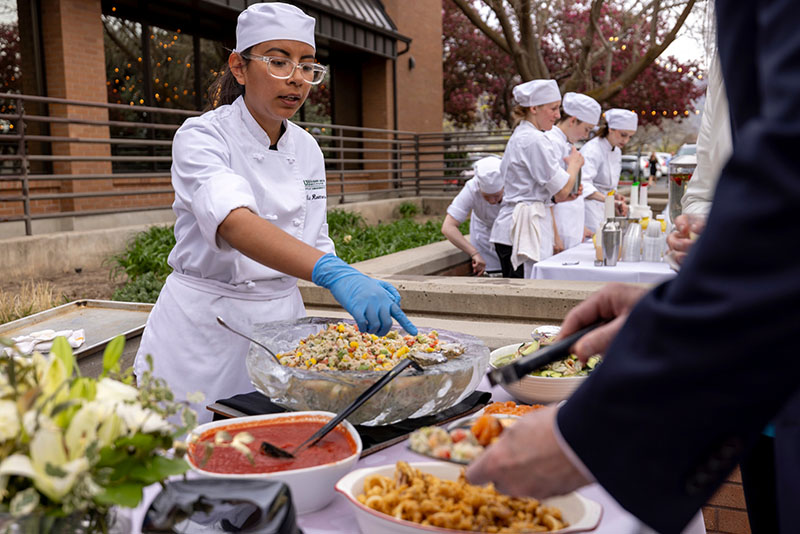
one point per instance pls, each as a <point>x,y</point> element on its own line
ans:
<point>137,418</point>
<point>84,429</point>
<point>47,448</point>
<point>9,420</point>
<point>109,390</point>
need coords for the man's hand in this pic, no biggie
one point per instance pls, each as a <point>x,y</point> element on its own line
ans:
<point>478,264</point>
<point>687,228</point>
<point>527,460</point>
<point>614,302</point>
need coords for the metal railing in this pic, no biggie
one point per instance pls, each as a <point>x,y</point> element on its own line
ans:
<point>65,158</point>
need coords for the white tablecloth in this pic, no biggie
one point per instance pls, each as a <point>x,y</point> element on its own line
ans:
<point>563,266</point>
<point>338,517</point>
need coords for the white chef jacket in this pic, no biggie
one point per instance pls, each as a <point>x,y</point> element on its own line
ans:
<point>222,161</point>
<point>714,144</point>
<point>470,201</point>
<point>532,174</point>
<point>600,172</point>
<point>569,215</point>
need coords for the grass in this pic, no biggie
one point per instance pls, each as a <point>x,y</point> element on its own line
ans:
<point>144,260</point>
<point>33,297</point>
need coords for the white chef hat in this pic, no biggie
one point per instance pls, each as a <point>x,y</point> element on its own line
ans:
<point>622,119</point>
<point>487,172</point>
<point>582,107</point>
<point>536,92</point>
<point>271,21</point>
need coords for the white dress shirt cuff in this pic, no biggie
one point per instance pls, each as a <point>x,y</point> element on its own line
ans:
<point>569,453</point>
<point>215,199</point>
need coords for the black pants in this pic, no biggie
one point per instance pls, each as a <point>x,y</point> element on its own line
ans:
<point>504,253</point>
<point>758,482</point>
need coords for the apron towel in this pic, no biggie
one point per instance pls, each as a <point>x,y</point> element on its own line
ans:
<point>526,232</point>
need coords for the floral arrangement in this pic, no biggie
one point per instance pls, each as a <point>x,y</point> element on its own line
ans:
<point>74,446</point>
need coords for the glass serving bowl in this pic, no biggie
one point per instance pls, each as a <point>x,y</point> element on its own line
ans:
<point>412,394</point>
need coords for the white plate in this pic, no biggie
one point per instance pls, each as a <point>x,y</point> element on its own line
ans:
<point>581,513</point>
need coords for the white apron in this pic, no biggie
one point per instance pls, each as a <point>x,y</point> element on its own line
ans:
<point>469,203</point>
<point>222,161</point>
<point>194,353</point>
<point>600,173</point>
<point>568,215</point>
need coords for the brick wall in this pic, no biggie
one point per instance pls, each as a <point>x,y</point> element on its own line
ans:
<point>725,512</point>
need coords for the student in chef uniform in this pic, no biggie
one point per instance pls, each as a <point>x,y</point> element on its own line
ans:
<point>523,231</point>
<point>603,156</point>
<point>580,113</point>
<point>250,200</point>
<point>479,201</point>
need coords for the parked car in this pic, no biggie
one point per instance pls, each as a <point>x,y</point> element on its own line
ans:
<point>629,166</point>
<point>687,149</point>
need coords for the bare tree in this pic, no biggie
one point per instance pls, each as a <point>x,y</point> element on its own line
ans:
<point>529,31</point>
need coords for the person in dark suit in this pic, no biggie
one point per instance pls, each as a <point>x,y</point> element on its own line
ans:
<point>696,368</point>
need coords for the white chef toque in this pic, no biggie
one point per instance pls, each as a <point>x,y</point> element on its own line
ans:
<point>272,21</point>
<point>536,92</point>
<point>487,172</point>
<point>582,107</point>
<point>622,119</point>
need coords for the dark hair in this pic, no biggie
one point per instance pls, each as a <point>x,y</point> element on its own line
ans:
<point>564,115</point>
<point>603,130</point>
<point>225,89</point>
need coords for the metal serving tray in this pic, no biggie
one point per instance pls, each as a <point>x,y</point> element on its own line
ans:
<point>101,320</point>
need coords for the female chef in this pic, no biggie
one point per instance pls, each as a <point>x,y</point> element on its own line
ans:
<point>523,230</point>
<point>480,197</point>
<point>580,113</point>
<point>250,200</point>
<point>603,156</point>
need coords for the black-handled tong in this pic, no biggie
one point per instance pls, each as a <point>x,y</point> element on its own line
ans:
<point>513,372</point>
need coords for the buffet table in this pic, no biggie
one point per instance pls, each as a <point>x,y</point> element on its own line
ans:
<point>338,516</point>
<point>577,263</point>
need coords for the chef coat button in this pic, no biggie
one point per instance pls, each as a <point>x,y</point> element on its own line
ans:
<point>297,222</point>
<point>290,160</point>
<point>250,284</point>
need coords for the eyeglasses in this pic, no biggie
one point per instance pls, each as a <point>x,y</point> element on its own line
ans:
<point>283,68</point>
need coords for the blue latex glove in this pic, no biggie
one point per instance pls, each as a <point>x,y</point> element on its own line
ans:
<point>372,303</point>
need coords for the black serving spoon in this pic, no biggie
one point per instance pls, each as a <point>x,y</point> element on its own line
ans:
<point>277,452</point>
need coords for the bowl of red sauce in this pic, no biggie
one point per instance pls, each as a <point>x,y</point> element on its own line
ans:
<point>311,476</point>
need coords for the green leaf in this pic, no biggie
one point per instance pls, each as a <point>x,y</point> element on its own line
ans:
<point>54,471</point>
<point>127,494</point>
<point>24,502</point>
<point>112,355</point>
<point>158,468</point>
<point>110,456</point>
<point>63,352</point>
<point>142,442</point>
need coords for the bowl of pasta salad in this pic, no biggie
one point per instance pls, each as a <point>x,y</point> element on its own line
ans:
<point>326,363</point>
<point>408,498</point>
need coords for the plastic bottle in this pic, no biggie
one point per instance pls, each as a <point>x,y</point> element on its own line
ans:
<point>651,245</point>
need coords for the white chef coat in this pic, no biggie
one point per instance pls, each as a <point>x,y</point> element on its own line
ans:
<point>470,201</point>
<point>222,161</point>
<point>569,215</point>
<point>600,172</point>
<point>714,144</point>
<point>531,174</point>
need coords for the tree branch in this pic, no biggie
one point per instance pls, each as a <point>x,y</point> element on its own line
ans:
<point>634,69</point>
<point>122,46</point>
<point>466,7</point>
<point>572,84</point>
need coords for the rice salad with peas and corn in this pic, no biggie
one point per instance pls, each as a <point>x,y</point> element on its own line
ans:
<point>343,347</point>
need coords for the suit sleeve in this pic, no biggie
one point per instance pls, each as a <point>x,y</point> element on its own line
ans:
<point>702,364</point>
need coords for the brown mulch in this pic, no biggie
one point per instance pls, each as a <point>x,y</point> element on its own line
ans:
<point>87,284</point>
